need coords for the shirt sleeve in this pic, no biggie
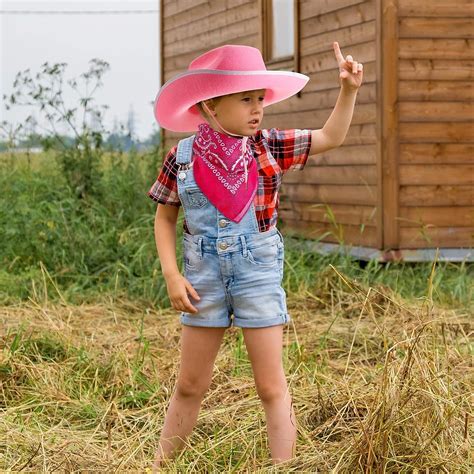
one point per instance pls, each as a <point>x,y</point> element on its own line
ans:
<point>165,188</point>
<point>290,148</point>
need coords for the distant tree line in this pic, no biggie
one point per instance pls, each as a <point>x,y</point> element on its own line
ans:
<point>113,141</point>
<point>83,120</point>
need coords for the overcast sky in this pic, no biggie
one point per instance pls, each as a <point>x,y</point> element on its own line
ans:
<point>128,42</point>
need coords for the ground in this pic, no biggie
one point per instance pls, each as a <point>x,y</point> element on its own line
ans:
<point>378,384</point>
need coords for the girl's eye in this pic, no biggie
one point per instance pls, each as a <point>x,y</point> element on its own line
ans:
<point>246,99</point>
<point>261,98</point>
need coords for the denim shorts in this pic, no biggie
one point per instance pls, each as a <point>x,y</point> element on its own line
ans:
<point>238,279</point>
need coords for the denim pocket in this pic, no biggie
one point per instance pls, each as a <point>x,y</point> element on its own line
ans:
<point>195,197</point>
<point>192,259</point>
<point>264,255</point>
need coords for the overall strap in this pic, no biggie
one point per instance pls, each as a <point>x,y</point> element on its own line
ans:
<point>185,150</point>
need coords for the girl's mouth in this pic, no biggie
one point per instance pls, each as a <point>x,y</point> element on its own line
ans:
<point>254,122</point>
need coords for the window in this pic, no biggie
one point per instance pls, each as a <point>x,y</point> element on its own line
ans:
<point>279,28</point>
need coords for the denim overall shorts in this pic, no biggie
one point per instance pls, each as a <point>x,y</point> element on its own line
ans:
<point>236,270</point>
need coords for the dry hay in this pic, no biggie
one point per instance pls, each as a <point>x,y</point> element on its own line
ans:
<point>378,385</point>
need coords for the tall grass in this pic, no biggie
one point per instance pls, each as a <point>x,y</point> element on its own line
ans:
<point>104,244</point>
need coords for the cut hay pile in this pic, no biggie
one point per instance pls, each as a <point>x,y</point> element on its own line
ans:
<point>378,385</point>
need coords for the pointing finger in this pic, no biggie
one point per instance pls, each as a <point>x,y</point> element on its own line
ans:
<point>337,52</point>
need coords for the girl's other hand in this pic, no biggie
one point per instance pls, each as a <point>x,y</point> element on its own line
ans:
<point>178,289</point>
<point>350,71</point>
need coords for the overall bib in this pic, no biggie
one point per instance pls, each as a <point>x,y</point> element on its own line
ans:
<point>235,269</point>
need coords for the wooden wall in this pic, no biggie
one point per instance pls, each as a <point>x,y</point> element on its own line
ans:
<point>436,128</point>
<point>404,176</point>
<point>336,195</point>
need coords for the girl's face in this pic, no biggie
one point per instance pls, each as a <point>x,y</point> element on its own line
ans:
<point>241,113</point>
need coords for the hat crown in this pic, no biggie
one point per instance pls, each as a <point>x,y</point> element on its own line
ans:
<point>230,58</point>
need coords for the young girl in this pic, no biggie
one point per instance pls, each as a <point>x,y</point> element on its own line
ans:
<point>226,176</point>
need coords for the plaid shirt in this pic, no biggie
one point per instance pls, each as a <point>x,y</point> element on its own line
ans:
<point>276,151</point>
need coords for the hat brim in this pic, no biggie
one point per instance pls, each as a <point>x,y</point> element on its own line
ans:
<point>175,107</point>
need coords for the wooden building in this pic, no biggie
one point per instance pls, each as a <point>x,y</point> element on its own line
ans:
<point>402,183</point>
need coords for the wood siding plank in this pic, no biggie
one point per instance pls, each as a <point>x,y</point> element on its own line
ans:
<point>342,18</point>
<point>441,132</point>
<point>432,237</point>
<point>431,153</point>
<point>213,37</point>
<point>360,174</point>
<point>363,113</point>
<point>436,8</point>
<point>212,22</point>
<point>338,213</point>
<point>422,111</point>
<point>199,12</point>
<point>457,49</point>
<point>345,155</point>
<point>416,27</point>
<point>436,90</point>
<point>347,234</point>
<point>346,37</point>
<point>180,6</point>
<point>437,174</point>
<point>331,194</point>
<point>311,8</point>
<point>436,69</point>
<point>440,195</point>
<point>449,216</point>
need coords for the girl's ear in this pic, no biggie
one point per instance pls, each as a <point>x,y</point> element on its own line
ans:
<point>209,106</point>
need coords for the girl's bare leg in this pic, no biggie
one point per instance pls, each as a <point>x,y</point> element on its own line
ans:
<point>264,346</point>
<point>199,348</point>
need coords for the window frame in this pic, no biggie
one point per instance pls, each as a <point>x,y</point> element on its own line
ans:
<point>290,62</point>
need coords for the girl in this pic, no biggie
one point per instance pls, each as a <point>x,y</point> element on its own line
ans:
<point>226,177</point>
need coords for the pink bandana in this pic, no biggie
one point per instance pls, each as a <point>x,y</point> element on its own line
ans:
<point>220,171</point>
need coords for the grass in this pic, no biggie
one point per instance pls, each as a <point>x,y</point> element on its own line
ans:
<point>378,385</point>
<point>105,244</point>
<point>378,357</point>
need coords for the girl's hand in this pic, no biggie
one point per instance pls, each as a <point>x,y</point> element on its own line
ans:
<point>178,288</point>
<point>350,71</point>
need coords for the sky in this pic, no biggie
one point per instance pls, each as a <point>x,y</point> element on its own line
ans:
<point>128,42</point>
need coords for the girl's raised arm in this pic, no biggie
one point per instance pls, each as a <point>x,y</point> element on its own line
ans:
<point>335,129</point>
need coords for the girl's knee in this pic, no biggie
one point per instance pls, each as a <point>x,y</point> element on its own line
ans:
<point>192,388</point>
<point>270,393</point>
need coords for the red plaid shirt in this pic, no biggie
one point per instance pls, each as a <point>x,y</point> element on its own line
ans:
<point>276,151</point>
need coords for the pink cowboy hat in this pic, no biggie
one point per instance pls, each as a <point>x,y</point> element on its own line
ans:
<point>224,70</point>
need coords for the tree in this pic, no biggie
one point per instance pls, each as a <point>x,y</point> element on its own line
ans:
<point>44,91</point>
